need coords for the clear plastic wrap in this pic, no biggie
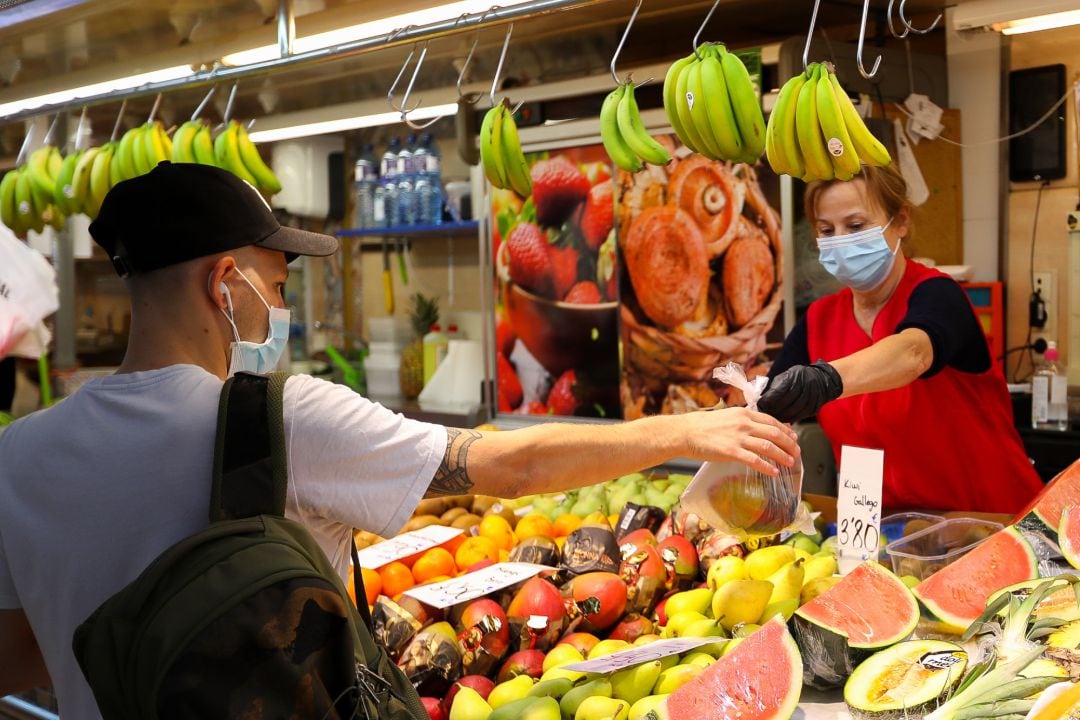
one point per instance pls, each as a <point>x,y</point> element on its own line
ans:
<point>738,499</point>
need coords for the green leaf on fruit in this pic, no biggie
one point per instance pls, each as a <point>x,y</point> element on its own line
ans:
<point>528,212</point>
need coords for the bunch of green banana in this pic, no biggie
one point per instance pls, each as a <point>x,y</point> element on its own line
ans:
<point>713,106</point>
<point>139,151</point>
<point>500,151</point>
<point>234,151</point>
<point>192,144</point>
<point>815,132</point>
<point>625,138</point>
<point>28,193</point>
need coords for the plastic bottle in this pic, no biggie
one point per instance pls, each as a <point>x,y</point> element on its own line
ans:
<point>365,178</point>
<point>432,194</point>
<point>421,183</point>
<point>452,332</point>
<point>406,183</point>
<point>435,345</point>
<point>1049,393</point>
<point>386,191</point>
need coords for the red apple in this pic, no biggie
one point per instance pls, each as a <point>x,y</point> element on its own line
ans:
<point>583,641</point>
<point>480,683</point>
<point>486,619</point>
<point>681,558</point>
<point>631,627</point>
<point>434,708</point>
<point>609,589</point>
<point>523,662</point>
<point>634,540</point>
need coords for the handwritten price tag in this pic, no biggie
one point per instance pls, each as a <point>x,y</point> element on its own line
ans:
<point>402,546</point>
<point>475,584</point>
<point>637,655</point>
<point>858,506</point>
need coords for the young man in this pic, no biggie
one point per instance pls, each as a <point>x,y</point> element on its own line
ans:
<point>96,487</point>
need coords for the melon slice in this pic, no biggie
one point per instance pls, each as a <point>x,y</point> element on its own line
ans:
<point>1069,535</point>
<point>868,610</point>
<point>957,594</point>
<point>909,676</point>
<point>761,679</point>
<point>1046,508</point>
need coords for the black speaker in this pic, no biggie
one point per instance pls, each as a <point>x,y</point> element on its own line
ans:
<point>1039,154</point>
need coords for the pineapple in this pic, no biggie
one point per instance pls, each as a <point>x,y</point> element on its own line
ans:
<point>423,314</point>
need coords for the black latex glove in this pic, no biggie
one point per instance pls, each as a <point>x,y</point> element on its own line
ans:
<point>800,391</point>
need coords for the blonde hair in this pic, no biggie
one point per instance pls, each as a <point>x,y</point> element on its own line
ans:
<point>885,188</point>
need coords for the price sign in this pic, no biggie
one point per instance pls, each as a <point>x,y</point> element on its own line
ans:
<point>402,546</point>
<point>858,506</point>
<point>646,653</point>
<point>475,584</point>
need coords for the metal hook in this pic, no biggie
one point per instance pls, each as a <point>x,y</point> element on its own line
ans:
<point>81,130</point>
<point>202,105</point>
<point>471,98</point>
<point>393,86</point>
<point>810,36</point>
<point>697,35</point>
<point>51,130</point>
<point>119,117</point>
<point>408,90</point>
<point>21,157</point>
<point>912,28</point>
<point>499,67</point>
<point>888,16</point>
<point>154,109</point>
<point>862,43</point>
<point>229,105</point>
<point>626,33</point>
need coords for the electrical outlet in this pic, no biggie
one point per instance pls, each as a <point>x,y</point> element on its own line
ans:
<point>1046,287</point>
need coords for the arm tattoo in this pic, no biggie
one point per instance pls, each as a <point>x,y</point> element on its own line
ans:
<point>452,477</point>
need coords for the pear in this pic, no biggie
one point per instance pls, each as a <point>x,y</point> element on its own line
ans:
<point>817,567</point>
<point>561,672</point>
<point>600,687</point>
<point>606,647</point>
<point>803,554</point>
<point>763,562</point>
<point>598,707</point>
<point>801,541</point>
<point>553,687</point>
<point>697,599</point>
<point>784,608</point>
<point>542,708</point>
<point>724,570</point>
<point>705,628</point>
<point>741,601</point>
<point>653,703</point>
<point>677,623</point>
<point>787,582</point>
<point>816,587</point>
<point>744,630</point>
<point>732,644</point>
<point>635,682</point>
<point>910,580</point>
<point>698,658</point>
<point>562,654</point>
<point>515,688</point>
<point>516,709</point>
<point>674,678</point>
<point>469,705</point>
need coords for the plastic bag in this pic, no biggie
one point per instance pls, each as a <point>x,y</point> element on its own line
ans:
<point>739,500</point>
<point>28,295</point>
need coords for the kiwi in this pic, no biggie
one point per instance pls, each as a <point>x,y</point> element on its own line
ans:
<point>507,513</point>
<point>420,521</point>
<point>466,521</point>
<point>452,514</point>
<point>432,506</point>
<point>914,526</point>
<point>481,503</point>
<point>461,501</point>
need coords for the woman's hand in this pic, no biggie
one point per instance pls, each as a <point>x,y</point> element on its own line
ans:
<point>752,438</point>
<point>800,391</point>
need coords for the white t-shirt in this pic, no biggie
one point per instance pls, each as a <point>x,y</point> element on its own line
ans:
<point>96,487</point>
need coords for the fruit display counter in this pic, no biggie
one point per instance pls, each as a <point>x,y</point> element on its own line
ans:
<point>614,602</point>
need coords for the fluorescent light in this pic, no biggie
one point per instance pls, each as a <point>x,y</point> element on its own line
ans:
<point>373,28</point>
<point>1040,22</point>
<point>73,94</point>
<point>353,123</point>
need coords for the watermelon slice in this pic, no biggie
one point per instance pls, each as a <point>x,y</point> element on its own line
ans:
<point>1069,535</point>
<point>870,609</point>
<point>761,679</point>
<point>1046,508</point>
<point>957,593</point>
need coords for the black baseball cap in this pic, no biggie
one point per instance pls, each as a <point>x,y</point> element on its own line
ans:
<point>182,211</point>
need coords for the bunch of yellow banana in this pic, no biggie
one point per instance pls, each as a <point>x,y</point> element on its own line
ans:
<point>500,151</point>
<point>234,151</point>
<point>713,106</point>
<point>625,138</point>
<point>192,144</point>
<point>139,151</point>
<point>815,132</point>
<point>28,193</point>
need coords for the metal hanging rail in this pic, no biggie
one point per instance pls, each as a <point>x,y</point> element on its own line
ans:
<point>442,28</point>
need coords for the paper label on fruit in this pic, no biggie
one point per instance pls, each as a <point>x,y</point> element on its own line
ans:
<point>858,506</point>
<point>645,653</point>
<point>475,584</point>
<point>836,147</point>
<point>404,545</point>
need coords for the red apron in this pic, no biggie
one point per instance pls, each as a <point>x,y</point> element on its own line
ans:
<point>949,440</point>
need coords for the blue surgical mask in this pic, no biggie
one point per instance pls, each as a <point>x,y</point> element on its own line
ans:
<point>860,260</point>
<point>256,357</point>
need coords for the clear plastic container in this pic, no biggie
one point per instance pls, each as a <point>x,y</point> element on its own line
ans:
<point>923,553</point>
<point>900,525</point>
<point>382,375</point>
<point>392,330</point>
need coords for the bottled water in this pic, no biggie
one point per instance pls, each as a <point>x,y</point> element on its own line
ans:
<point>422,184</point>
<point>364,180</point>
<point>406,184</point>
<point>386,196</point>
<point>432,200</point>
<point>1049,393</point>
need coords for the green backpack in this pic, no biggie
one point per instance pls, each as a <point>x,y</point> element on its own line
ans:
<point>246,619</point>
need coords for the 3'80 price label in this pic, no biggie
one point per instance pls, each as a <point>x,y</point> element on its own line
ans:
<point>858,506</point>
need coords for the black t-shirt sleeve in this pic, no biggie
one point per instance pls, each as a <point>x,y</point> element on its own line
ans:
<point>794,351</point>
<point>940,308</point>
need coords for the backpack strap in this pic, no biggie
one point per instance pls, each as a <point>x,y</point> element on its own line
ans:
<point>250,470</point>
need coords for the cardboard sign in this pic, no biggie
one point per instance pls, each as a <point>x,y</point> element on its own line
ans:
<point>858,506</point>
<point>402,546</point>
<point>475,584</point>
<point>646,653</point>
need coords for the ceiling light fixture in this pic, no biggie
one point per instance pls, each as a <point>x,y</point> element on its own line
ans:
<point>1042,22</point>
<point>73,94</point>
<point>1010,17</point>
<point>373,28</point>
<point>353,123</point>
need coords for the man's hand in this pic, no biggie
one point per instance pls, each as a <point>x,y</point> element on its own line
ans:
<point>800,391</point>
<point>752,438</point>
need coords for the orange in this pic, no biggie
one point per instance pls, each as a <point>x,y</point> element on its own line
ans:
<point>533,525</point>
<point>560,541</point>
<point>396,578</point>
<point>498,529</point>
<point>436,561</point>
<point>565,524</point>
<point>372,584</point>
<point>436,579</point>
<point>475,549</point>
<point>454,543</point>
<point>504,556</point>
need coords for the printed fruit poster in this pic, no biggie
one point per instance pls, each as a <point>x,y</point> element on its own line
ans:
<point>557,315</point>
<point>700,244</point>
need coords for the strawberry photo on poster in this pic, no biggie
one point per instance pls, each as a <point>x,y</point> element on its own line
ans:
<point>700,242</point>
<point>557,288</point>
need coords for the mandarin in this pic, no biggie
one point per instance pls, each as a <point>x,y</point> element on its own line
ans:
<point>396,578</point>
<point>434,562</point>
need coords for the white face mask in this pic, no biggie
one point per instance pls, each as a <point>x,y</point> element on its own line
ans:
<point>860,260</point>
<point>261,357</point>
